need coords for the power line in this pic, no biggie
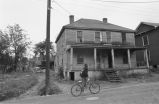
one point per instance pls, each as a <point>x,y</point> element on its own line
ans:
<point>121,8</point>
<point>61,7</point>
<point>140,2</point>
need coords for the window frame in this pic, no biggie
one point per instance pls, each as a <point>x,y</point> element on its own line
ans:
<point>147,40</point>
<point>100,36</point>
<point>81,37</point>
<point>123,36</point>
<point>80,57</point>
<point>108,36</point>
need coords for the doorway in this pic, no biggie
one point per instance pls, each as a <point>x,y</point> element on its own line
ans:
<point>109,59</point>
<point>72,76</point>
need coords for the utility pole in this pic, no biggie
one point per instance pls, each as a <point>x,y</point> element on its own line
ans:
<point>47,72</point>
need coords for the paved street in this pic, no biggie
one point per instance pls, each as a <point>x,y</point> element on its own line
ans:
<point>145,93</point>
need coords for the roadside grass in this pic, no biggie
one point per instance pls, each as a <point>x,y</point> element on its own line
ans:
<point>54,89</point>
<point>14,84</point>
<point>59,85</point>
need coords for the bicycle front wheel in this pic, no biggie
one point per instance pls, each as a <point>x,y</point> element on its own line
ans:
<point>76,90</point>
<point>94,88</point>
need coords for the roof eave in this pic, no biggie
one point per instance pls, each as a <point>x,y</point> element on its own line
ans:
<point>59,35</point>
<point>84,28</point>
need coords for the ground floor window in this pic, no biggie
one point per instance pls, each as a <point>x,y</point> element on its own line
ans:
<point>80,59</point>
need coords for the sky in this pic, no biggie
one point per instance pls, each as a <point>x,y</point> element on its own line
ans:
<point>31,14</point>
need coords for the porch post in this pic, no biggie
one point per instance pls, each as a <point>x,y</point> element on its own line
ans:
<point>129,59</point>
<point>95,58</point>
<point>71,58</point>
<point>112,53</point>
<point>146,56</point>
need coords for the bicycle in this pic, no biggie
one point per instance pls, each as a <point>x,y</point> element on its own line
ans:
<point>79,87</point>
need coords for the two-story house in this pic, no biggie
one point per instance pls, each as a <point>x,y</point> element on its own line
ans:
<point>101,45</point>
<point>147,35</point>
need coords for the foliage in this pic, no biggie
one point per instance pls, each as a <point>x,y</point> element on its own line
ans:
<point>18,42</point>
<point>53,88</point>
<point>60,73</point>
<point>4,43</point>
<point>13,87</point>
<point>13,44</point>
<point>40,48</point>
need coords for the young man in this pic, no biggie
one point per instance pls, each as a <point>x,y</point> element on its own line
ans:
<point>84,74</point>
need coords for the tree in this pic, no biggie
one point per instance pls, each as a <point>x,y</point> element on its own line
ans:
<point>40,49</point>
<point>4,43</point>
<point>5,58</point>
<point>18,42</point>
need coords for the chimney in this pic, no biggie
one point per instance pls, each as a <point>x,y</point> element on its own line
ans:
<point>71,18</point>
<point>105,20</point>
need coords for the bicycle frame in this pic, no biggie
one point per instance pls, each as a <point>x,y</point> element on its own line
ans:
<point>79,87</point>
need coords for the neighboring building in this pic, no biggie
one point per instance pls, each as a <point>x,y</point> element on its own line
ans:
<point>147,35</point>
<point>101,45</point>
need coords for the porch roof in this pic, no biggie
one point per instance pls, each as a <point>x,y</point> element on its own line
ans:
<point>107,46</point>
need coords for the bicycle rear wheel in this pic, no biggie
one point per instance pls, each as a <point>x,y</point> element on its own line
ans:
<point>94,88</point>
<point>76,90</point>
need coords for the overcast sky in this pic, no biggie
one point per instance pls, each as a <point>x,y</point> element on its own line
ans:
<point>31,14</point>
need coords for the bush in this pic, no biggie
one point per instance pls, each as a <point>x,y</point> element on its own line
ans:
<point>53,89</point>
<point>15,87</point>
<point>60,73</point>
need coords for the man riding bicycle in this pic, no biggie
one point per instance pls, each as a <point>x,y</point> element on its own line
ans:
<point>79,87</point>
<point>84,74</point>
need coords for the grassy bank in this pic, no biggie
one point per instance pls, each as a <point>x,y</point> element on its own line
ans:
<point>12,85</point>
<point>54,89</point>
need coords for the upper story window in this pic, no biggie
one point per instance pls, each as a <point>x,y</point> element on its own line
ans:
<point>123,35</point>
<point>108,35</point>
<point>98,37</point>
<point>145,40</point>
<point>79,36</point>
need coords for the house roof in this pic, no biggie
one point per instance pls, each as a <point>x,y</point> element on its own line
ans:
<point>148,23</point>
<point>91,24</point>
<point>151,24</point>
<point>96,24</point>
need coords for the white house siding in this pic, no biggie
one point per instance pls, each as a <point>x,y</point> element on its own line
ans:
<point>61,54</point>
<point>116,37</point>
<point>88,58</point>
<point>133,59</point>
<point>69,36</point>
<point>88,36</point>
<point>118,60</point>
<point>91,74</point>
<point>130,38</point>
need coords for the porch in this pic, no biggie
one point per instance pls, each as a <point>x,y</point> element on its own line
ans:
<point>103,57</point>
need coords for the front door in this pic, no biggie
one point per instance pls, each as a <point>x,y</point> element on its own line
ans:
<point>109,59</point>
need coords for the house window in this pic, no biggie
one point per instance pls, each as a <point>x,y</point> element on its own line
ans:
<point>125,58</point>
<point>108,36</point>
<point>145,40</point>
<point>79,36</point>
<point>123,38</point>
<point>98,37</point>
<point>80,59</point>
